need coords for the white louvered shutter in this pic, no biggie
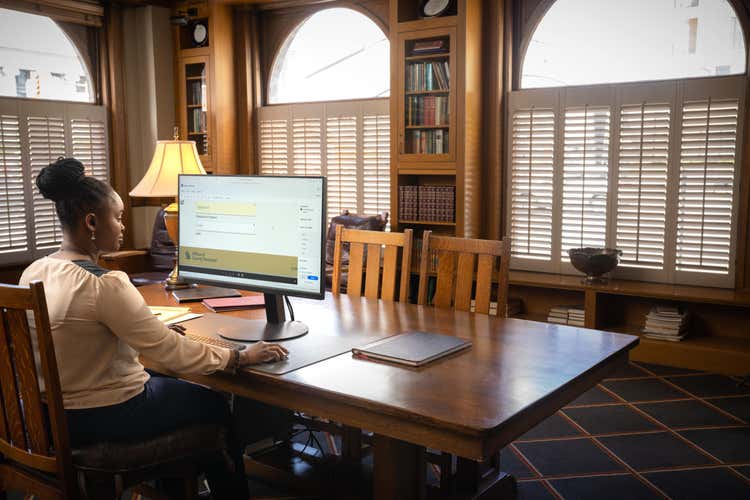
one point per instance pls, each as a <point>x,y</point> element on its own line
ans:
<point>274,157</point>
<point>306,146</point>
<point>13,230</point>
<point>46,142</point>
<point>376,149</point>
<point>89,143</point>
<point>708,149</point>
<point>341,164</point>
<point>585,171</point>
<point>531,183</point>
<point>642,184</point>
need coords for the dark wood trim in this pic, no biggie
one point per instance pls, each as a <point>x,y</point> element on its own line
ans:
<point>493,111</point>
<point>72,11</point>
<point>248,88</point>
<point>113,97</point>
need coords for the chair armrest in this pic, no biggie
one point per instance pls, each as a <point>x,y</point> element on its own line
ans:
<point>128,261</point>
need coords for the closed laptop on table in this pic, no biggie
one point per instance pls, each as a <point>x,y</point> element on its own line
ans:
<point>412,348</point>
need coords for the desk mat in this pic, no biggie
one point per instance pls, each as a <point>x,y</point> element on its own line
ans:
<point>303,351</point>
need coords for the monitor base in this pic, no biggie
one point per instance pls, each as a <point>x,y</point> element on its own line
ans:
<point>256,330</point>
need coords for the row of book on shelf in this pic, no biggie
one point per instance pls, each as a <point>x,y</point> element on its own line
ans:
<point>427,141</point>
<point>423,76</point>
<point>427,203</point>
<point>513,308</point>
<point>197,92</point>
<point>662,322</point>
<point>427,110</point>
<point>198,122</point>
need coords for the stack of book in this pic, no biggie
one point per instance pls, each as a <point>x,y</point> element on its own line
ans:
<point>666,323</point>
<point>423,47</point>
<point>576,316</point>
<point>424,76</point>
<point>427,110</point>
<point>428,142</point>
<point>567,315</point>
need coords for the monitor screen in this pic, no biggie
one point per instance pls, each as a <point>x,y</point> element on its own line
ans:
<point>252,232</point>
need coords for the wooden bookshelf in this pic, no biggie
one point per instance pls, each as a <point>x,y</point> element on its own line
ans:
<point>436,111</point>
<point>719,338</point>
<point>205,95</point>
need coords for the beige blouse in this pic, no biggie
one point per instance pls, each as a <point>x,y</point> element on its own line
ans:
<point>100,325</point>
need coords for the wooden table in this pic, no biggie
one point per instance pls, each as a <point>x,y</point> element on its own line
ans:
<point>470,404</point>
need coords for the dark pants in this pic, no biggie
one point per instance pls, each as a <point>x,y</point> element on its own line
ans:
<point>165,404</point>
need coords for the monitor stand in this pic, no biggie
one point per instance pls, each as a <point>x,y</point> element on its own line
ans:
<point>274,328</point>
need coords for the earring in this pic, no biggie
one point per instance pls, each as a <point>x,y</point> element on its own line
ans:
<point>93,236</point>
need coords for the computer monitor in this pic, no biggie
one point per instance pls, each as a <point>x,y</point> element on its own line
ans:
<point>258,233</point>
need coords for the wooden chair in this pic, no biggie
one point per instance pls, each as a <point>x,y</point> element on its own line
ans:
<point>459,260</point>
<point>464,267</point>
<point>372,242</point>
<point>29,462</point>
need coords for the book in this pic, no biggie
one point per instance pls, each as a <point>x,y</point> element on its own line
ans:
<point>412,348</point>
<point>203,292</point>
<point>234,303</point>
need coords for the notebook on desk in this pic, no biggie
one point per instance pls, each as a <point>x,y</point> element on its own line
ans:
<point>412,348</point>
<point>203,292</point>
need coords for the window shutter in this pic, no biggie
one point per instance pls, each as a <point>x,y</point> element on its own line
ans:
<point>89,142</point>
<point>306,142</point>
<point>273,147</point>
<point>585,168</point>
<point>642,184</point>
<point>46,139</point>
<point>341,164</point>
<point>377,163</point>
<point>532,171</point>
<point>13,232</point>
<point>706,188</point>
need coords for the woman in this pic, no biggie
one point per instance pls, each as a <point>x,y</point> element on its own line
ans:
<point>101,324</point>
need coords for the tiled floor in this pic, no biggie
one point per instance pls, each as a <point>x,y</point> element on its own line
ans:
<point>647,432</point>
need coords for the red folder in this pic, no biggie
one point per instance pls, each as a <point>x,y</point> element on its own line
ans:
<point>234,303</point>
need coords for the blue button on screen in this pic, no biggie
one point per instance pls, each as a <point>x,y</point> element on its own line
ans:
<point>312,278</point>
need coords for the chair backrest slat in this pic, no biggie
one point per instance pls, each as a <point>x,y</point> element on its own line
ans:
<point>390,261</point>
<point>354,283</point>
<point>11,399</point>
<point>382,253</point>
<point>484,284</point>
<point>456,276</point>
<point>446,274</point>
<point>372,276</point>
<point>464,281</point>
<point>28,381</point>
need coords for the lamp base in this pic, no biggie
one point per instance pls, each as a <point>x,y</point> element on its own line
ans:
<point>173,282</point>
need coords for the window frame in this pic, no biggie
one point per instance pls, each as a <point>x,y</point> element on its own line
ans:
<point>618,94</point>
<point>67,112</point>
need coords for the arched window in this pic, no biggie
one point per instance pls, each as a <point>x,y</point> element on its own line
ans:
<point>583,42</point>
<point>636,141</point>
<point>38,61</point>
<point>335,54</point>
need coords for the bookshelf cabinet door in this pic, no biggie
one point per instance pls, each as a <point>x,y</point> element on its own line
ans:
<point>194,106</point>
<point>426,109</point>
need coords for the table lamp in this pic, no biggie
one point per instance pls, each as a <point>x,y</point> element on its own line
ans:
<point>171,158</point>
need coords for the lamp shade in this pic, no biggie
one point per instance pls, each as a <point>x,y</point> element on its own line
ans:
<point>171,158</point>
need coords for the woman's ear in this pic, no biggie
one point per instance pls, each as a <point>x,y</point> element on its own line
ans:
<point>90,222</point>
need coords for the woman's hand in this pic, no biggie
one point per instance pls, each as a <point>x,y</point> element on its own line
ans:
<point>262,352</point>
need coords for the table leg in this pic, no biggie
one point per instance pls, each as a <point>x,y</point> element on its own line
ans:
<point>351,444</point>
<point>477,480</point>
<point>399,469</point>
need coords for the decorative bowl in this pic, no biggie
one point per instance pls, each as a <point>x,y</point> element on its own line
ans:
<point>594,262</point>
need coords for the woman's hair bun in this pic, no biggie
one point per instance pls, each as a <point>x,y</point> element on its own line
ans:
<point>60,180</point>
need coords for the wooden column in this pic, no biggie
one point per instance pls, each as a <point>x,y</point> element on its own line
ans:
<point>399,469</point>
<point>113,97</point>
<point>249,90</point>
<point>493,83</point>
